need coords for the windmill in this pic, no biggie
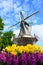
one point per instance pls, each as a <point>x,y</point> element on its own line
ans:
<point>25,31</point>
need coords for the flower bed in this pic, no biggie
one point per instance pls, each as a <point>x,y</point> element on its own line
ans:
<point>14,49</point>
<point>22,55</point>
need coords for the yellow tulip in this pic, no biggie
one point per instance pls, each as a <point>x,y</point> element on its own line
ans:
<point>8,48</point>
<point>14,49</point>
<point>13,53</point>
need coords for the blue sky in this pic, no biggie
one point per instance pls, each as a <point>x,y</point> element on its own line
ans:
<point>9,11</point>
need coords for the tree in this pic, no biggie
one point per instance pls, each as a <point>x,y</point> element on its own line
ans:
<point>6,38</point>
<point>1,26</point>
<point>1,31</point>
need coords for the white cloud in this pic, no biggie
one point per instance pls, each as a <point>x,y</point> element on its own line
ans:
<point>38,30</point>
<point>16,32</point>
<point>6,5</point>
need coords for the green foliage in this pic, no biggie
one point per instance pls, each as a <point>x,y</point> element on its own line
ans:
<point>6,39</point>
<point>1,26</point>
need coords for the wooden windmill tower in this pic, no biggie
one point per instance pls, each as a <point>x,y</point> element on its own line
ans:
<point>25,36</point>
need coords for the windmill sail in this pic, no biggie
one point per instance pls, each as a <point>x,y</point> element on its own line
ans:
<point>14,24</point>
<point>23,19</point>
<point>31,15</point>
<point>21,16</point>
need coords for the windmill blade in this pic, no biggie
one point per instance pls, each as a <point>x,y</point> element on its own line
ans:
<point>14,25</point>
<point>21,16</point>
<point>31,15</point>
